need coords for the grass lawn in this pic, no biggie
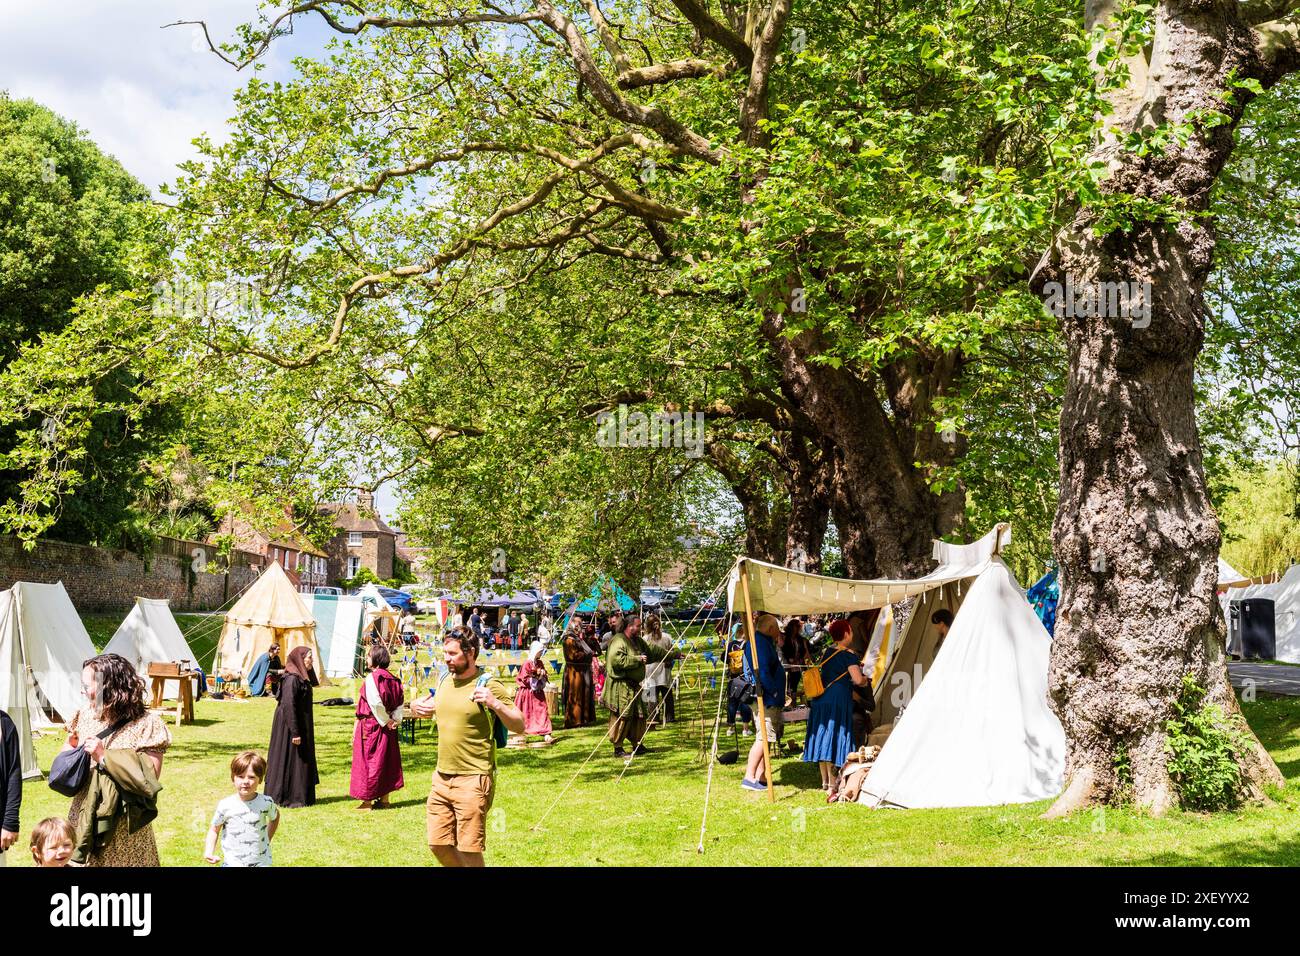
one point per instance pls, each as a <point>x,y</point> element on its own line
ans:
<point>652,815</point>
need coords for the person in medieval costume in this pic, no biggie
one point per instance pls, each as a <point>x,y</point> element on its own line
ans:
<point>259,678</point>
<point>580,654</point>
<point>376,752</point>
<point>291,774</point>
<point>659,675</point>
<point>530,698</point>
<point>625,666</point>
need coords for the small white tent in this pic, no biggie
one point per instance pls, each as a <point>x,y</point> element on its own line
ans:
<point>1228,574</point>
<point>42,647</point>
<point>338,630</point>
<point>1285,595</point>
<point>150,634</point>
<point>379,611</point>
<point>979,730</point>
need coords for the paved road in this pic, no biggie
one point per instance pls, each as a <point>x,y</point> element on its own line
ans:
<point>1271,678</point>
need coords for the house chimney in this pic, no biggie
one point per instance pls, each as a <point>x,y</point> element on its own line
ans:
<point>365,501</point>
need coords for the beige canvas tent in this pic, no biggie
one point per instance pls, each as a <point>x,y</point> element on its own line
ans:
<point>270,611</point>
<point>42,647</point>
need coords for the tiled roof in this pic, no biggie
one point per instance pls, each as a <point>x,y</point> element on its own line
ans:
<point>347,517</point>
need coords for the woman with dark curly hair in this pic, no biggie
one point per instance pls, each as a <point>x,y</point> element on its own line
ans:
<point>115,699</point>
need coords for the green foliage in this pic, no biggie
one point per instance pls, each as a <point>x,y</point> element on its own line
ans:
<point>1261,527</point>
<point>363,577</point>
<point>1122,761</point>
<point>1204,744</point>
<point>75,229</point>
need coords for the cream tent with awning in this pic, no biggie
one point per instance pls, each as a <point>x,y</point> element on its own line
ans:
<point>983,733</point>
<point>270,611</point>
<point>43,645</point>
<point>150,634</point>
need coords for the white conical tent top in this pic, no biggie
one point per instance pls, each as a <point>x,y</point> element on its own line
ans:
<point>370,594</point>
<point>43,645</point>
<point>979,730</point>
<point>779,590</point>
<point>150,634</point>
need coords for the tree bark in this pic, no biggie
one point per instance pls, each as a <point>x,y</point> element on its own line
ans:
<point>809,470</point>
<point>884,509</point>
<point>1135,534</point>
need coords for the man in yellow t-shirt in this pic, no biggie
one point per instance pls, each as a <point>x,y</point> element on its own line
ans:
<point>467,702</point>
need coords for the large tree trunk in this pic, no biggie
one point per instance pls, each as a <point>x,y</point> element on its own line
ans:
<point>884,509</point>
<point>1135,534</point>
<point>809,470</point>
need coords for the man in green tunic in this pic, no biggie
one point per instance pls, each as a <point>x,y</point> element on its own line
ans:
<point>625,662</point>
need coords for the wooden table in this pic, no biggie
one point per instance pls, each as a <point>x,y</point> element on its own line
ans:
<point>185,699</point>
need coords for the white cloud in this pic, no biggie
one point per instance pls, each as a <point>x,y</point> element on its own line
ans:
<point>141,92</point>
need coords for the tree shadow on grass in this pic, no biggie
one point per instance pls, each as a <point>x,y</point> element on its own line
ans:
<point>1233,852</point>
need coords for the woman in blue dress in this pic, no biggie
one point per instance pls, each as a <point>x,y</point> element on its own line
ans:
<point>830,717</point>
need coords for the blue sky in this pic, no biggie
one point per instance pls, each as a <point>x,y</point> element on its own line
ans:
<point>141,92</point>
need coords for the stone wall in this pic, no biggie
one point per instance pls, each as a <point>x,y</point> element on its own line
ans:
<point>98,579</point>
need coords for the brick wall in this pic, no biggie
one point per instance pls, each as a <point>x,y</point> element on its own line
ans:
<point>98,579</point>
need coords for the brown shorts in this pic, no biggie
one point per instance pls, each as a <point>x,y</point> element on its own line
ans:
<point>456,811</point>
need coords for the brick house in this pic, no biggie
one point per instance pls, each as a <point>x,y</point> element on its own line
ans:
<point>307,565</point>
<point>363,540</point>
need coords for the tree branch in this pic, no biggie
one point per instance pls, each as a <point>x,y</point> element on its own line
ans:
<point>1278,43</point>
<point>711,29</point>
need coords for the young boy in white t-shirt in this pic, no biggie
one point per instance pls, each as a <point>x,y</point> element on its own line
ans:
<point>246,820</point>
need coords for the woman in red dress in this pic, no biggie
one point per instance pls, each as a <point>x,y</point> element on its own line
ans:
<point>531,696</point>
<point>376,752</point>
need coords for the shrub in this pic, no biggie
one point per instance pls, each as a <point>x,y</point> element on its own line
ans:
<point>1203,743</point>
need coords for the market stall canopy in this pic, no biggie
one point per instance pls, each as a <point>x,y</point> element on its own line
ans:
<point>784,591</point>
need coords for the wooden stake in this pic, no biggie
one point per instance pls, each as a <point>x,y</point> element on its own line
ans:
<point>758,684</point>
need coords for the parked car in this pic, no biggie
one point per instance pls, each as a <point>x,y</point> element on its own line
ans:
<point>399,599</point>
<point>321,589</point>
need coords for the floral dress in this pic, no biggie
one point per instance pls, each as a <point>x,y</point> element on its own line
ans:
<point>147,735</point>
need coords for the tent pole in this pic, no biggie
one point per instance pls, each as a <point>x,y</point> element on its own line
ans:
<point>758,684</point>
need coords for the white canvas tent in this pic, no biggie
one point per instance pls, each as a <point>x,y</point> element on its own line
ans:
<point>150,634</point>
<point>270,611</point>
<point>1285,595</point>
<point>979,730</point>
<point>380,611</point>
<point>1228,574</point>
<point>338,630</point>
<point>982,733</point>
<point>42,647</point>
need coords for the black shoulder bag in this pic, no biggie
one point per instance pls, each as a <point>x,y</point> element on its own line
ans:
<point>71,768</point>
